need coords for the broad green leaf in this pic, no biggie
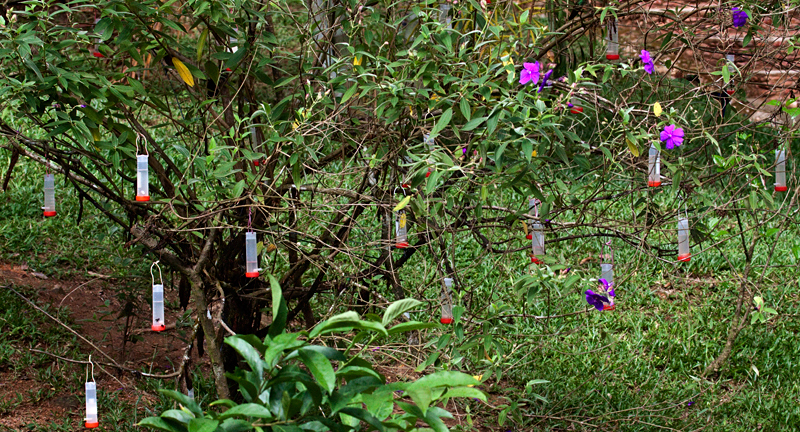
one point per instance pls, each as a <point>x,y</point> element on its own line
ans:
<point>467,392</point>
<point>397,308</point>
<point>350,92</point>
<point>443,121</point>
<point>201,44</point>
<point>164,424</point>
<point>184,400</point>
<point>203,425</point>
<point>320,367</point>
<point>280,311</point>
<point>247,410</point>
<point>248,352</point>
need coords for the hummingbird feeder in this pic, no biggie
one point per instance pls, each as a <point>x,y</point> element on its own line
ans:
<point>251,255</point>
<point>684,254</point>
<point>780,171</point>
<point>91,400</point>
<point>158,300</point>
<point>447,302</point>
<point>654,167</point>
<point>49,195</point>
<point>612,50</point>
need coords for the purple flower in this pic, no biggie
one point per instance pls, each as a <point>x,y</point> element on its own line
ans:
<point>648,62</point>
<point>596,300</point>
<point>464,150</point>
<point>739,17</point>
<point>545,80</point>
<point>570,105</point>
<point>530,73</point>
<point>672,135</point>
<point>690,403</point>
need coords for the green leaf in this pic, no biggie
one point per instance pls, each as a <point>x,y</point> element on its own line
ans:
<point>164,424</point>
<point>320,367</point>
<point>397,308</point>
<point>467,392</point>
<point>203,425</point>
<point>184,400</point>
<point>280,311</point>
<point>466,111</point>
<point>201,43</point>
<point>349,93</point>
<point>247,410</point>
<point>404,202</point>
<point>249,353</point>
<point>363,415</point>
<point>472,124</point>
<point>444,120</point>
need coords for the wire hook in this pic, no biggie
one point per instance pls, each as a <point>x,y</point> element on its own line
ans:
<point>160,276</point>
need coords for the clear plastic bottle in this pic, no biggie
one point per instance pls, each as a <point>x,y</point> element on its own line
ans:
<point>400,229</point>
<point>142,178</point>
<point>683,240</point>
<point>444,14</point>
<point>730,90</point>
<point>780,170</point>
<point>158,308</point>
<point>607,272</point>
<point>447,302</point>
<point>49,195</point>
<point>91,406</point>
<point>251,255</point>
<point>654,167</point>
<point>612,50</point>
<point>537,241</point>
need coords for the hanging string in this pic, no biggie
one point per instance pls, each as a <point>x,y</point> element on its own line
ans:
<point>249,219</point>
<point>160,276</point>
<point>87,369</point>
<point>140,137</point>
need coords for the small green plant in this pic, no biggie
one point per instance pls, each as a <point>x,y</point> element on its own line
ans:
<point>762,313</point>
<point>292,384</point>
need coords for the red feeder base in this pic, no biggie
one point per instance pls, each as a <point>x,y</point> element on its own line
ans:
<point>142,198</point>
<point>405,185</point>
<point>427,174</point>
<point>730,92</point>
<point>777,189</point>
<point>609,307</point>
<point>576,110</point>
<point>52,213</point>
<point>158,328</point>
<point>91,425</point>
<point>529,237</point>
<point>535,260</point>
<point>446,320</point>
<point>653,183</point>
<point>251,274</point>
<point>401,245</point>
<point>255,162</point>
<point>612,56</point>
<point>685,258</point>
<point>98,55</point>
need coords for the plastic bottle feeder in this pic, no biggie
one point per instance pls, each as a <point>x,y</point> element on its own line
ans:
<point>654,167</point>
<point>447,302</point>
<point>49,195</point>
<point>537,242</point>
<point>684,254</point>
<point>251,255</point>
<point>158,308</point>
<point>91,406</point>
<point>612,49</point>
<point>780,171</point>
<point>400,229</point>
<point>142,178</point>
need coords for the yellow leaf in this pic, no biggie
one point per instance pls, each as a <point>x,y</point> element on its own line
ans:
<point>183,71</point>
<point>657,109</point>
<point>96,134</point>
<point>357,61</point>
<point>632,147</point>
<point>524,227</point>
<point>402,204</point>
<point>534,153</point>
<point>271,247</point>
<point>477,377</point>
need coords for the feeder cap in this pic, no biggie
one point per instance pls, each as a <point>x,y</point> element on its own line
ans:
<point>252,274</point>
<point>91,425</point>
<point>730,92</point>
<point>52,213</point>
<point>255,162</point>
<point>401,245</point>
<point>427,174</point>
<point>97,54</point>
<point>777,189</point>
<point>612,56</point>
<point>446,320</point>
<point>685,258</point>
<point>609,307</point>
<point>529,236</point>
<point>535,260</point>
<point>653,183</point>
<point>158,328</point>
<point>576,110</point>
<point>142,197</point>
